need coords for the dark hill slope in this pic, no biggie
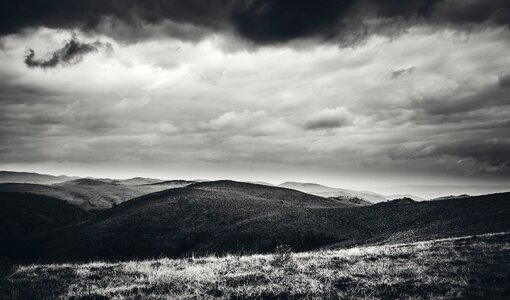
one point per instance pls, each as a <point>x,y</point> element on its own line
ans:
<point>87,182</point>
<point>180,182</point>
<point>225,216</point>
<point>404,221</point>
<point>24,214</point>
<point>352,201</point>
<point>214,217</point>
<point>231,188</point>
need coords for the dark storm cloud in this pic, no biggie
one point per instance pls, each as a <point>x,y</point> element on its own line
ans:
<point>256,20</point>
<point>504,80</point>
<point>474,11</point>
<point>87,15</point>
<point>274,21</point>
<point>493,151</point>
<point>71,54</point>
<point>487,154</point>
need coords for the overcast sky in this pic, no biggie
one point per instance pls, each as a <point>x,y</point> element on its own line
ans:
<point>357,94</point>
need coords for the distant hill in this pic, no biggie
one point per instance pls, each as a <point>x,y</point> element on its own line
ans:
<point>325,191</point>
<point>173,183</point>
<point>87,182</point>
<point>86,193</point>
<point>139,181</point>
<point>25,214</point>
<point>400,196</point>
<point>404,200</point>
<point>226,216</point>
<point>451,197</point>
<point>353,201</point>
<point>26,177</point>
<point>261,183</point>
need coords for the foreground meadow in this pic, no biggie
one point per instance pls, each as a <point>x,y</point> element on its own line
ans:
<point>466,267</point>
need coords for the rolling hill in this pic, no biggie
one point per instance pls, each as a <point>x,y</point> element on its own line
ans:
<point>227,217</point>
<point>399,196</point>
<point>406,220</point>
<point>139,181</point>
<point>168,184</point>
<point>25,214</point>
<point>352,201</point>
<point>450,197</point>
<point>27,177</point>
<point>86,193</point>
<point>326,191</point>
<point>216,217</point>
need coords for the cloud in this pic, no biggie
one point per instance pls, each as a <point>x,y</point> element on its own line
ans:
<point>504,80</point>
<point>329,118</point>
<point>465,100</point>
<point>259,21</point>
<point>71,54</point>
<point>282,20</point>
<point>234,120</point>
<point>322,107</point>
<point>476,154</point>
<point>248,123</point>
<point>401,72</point>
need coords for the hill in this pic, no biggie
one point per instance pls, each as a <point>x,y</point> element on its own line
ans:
<point>326,191</point>
<point>235,217</point>
<point>451,197</point>
<point>89,182</point>
<point>405,220</point>
<point>86,193</point>
<point>139,181</point>
<point>352,201</point>
<point>26,177</point>
<point>172,183</point>
<point>399,196</point>
<point>217,217</point>
<point>25,214</point>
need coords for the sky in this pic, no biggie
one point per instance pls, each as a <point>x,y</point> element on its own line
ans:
<point>391,96</point>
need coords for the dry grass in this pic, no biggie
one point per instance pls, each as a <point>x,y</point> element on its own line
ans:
<point>467,267</point>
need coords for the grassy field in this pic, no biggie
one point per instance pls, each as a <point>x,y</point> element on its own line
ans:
<point>466,267</point>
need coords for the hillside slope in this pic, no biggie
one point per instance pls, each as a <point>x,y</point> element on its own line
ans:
<point>25,214</point>
<point>405,220</point>
<point>208,217</point>
<point>227,217</point>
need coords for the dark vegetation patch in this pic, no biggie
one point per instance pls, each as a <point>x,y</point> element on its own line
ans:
<point>25,214</point>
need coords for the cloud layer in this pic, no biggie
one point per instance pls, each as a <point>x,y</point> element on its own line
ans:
<point>258,21</point>
<point>239,87</point>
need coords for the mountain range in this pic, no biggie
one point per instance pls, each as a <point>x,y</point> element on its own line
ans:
<point>112,191</point>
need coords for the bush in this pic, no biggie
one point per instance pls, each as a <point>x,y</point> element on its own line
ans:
<point>282,258</point>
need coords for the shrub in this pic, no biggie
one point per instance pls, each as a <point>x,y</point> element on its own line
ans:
<point>282,258</point>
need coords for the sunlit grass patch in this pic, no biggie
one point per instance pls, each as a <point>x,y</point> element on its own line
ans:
<point>441,269</point>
